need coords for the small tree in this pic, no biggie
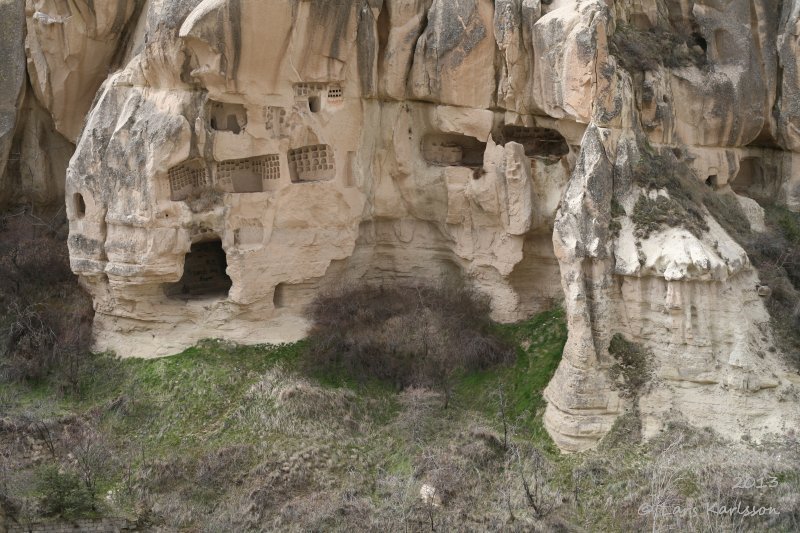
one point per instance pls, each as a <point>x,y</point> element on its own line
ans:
<point>62,493</point>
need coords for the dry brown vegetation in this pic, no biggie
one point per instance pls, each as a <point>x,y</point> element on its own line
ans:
<point>642,50</point>
<point>227,438</point>
<point>408,335</point>
<point>776,255</point>
<point>688,195</point>
<point>232,438</point>
<point>631,369</point>
<point>45,317</point>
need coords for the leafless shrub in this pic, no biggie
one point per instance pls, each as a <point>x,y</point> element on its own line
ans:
<point>531,472</point>
<point>407,335</point>
<point>89,454</point>
<point>274,485</point>
<point>324,511</point>
<point>55,466</point>
<point>219,468</point>
<point>776,254</point>
<point>416,420</point>
<point>45,324</point>
<point>664,479</point>
<point>398,501</point>
<point>445,470</point>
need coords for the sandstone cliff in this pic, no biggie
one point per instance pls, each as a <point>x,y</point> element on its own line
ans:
<point>241,155</point>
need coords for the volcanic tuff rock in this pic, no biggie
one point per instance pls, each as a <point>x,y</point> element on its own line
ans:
<point>242,155</point>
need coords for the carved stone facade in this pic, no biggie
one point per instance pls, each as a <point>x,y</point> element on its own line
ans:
<point>242,156</point>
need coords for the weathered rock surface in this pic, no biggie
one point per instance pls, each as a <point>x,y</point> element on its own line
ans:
<point>70,46</point>
<point>12,79</point>
<point>243,155</point>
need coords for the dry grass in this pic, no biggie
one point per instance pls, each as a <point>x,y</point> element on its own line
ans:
<point>688,196</point>
<point>287,453</point>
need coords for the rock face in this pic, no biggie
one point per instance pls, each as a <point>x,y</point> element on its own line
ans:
<point>247,154</point>
<point>70,46</point>
<point>12,79</point>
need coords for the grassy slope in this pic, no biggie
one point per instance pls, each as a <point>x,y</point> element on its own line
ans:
<point>223,437</point>
<point>185,407</point>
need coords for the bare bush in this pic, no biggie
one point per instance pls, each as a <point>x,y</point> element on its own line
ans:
<point>45,326</point>
<point>527,486</point>
<point>89,456</point>
<point>776,254</point>
<point>631,369</point>
<point>416,420</point>
<point>406,335</point>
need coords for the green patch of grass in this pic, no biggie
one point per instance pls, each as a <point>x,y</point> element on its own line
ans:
<point>539,345</point>
<point>182,401</point>
<point>249,431</point>
<point>182,429</point>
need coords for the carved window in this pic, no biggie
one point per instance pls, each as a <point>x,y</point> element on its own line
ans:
<point>225,116</point>
<point>302,90</point>
<point>335,93</point>
<point>312,163</point>
<point>248,175</point>
<point>79,205</point>
<point>186,178</point>
<point>276,120</point>
<point>453,150</point>
<point>538,142</point>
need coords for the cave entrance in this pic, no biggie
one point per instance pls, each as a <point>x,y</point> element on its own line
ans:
<point>79,205</point>
<point>755,180</point>
<point>204,272</point>
<point>224,116</point>
<point>453,150</point>
<point>538,142</point>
